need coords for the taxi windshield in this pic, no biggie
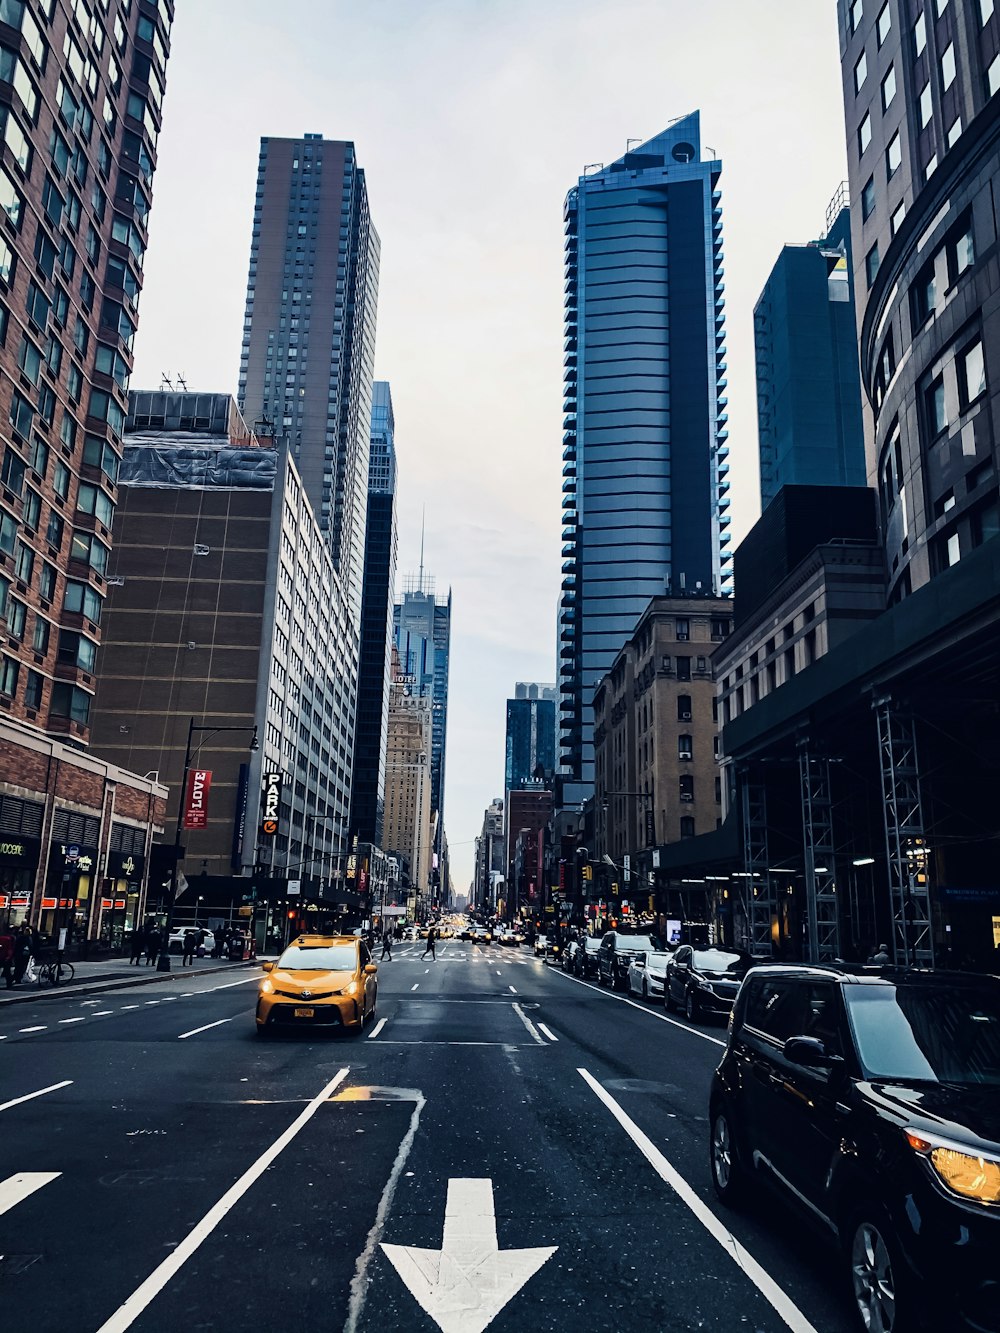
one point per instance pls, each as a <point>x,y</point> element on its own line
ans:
<point>319,958</point>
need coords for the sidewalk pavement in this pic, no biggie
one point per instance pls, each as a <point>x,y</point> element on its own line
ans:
<point>107,974</point>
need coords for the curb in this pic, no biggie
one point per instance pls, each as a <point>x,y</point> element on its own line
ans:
<point>90,987</point>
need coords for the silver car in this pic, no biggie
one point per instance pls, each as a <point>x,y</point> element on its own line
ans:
<point>647,975</point>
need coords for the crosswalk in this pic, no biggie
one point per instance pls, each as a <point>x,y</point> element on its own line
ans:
<point>445,955</point>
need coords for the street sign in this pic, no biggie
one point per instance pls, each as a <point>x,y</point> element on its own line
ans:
<point>294,887</point>
<point>469,1262</point>
<point>627,867</point>
<point>271,805</point>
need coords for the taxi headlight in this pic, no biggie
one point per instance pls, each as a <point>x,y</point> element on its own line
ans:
<point>352,988</point>
<point>267,986</point>
<point>970,1176</point>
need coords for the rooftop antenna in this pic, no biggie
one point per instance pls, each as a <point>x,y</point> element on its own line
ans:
<point>423,520</point>
<point>630,142</point>
<point>165,381</point>
<point>182,381</point>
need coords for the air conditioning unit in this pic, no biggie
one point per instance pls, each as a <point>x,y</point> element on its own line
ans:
<point>686,796</point>
<point>685,754</point>
<point>685,717</point>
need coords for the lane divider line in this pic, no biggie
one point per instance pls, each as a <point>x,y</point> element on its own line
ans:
<point>16,1188</point>
<point>228,985</point>
<point>41,1028</point>
<point>64,1021</point>
<point>535,1034</point>
<point>128,1312</point>
<point>512,989</point>
<point>377,1028</point>
<point>548,1032</point>
<point>102,1013</point>
<point>762,1280</point>
<point>194,1031</point>
<point>30,1097</point>
<point>415,986</point>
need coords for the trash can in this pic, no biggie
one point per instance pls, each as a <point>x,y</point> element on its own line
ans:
<point>237,946</point>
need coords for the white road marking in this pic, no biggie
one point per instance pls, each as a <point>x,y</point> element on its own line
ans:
<point>227,985</point>
<point>126,1314</point>
<point>377,1028</point>
<point>152,1002</point>
<point>415,985</point>
<point>84,1003</point>
<point>30,1096</point>
<point>72,1020</point>
<point>194,1031</point>
<point>512,989</point>
<point>16,1188</point>
<point>426,970</point>
<point>762,1280</point>
<point>41,1028</point>
<point>536,1035</point>
<point>129,1006</point>
<point>102,1013</point>
<point>548,1032</point>
<point>499,973</point>
<point>644,1009</point>
<point>469,1265</point>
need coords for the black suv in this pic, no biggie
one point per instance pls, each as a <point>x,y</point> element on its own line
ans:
<point>873,1101</point>
<point>616,953</point>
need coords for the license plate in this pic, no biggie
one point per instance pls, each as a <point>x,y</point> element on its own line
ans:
<point>305,1013</point>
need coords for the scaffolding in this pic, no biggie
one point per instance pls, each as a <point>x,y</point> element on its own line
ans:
<point>906,846</point>
<point>823,931</point>
<point>759,899</point>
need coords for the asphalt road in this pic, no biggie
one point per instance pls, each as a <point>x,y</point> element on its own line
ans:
<point>175,1172</point>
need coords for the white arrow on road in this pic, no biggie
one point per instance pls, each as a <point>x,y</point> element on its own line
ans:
<point>464,1285</point>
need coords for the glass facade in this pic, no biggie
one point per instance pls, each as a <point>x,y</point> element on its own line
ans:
<point>645,440</point>
<point>422,627</point>
<point>530,744</point>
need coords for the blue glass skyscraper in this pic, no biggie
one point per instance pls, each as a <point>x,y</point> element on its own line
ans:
<point>809,421</point>
<point>644,444</point>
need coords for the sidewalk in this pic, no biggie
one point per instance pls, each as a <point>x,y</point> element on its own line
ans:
<point>108,974</point>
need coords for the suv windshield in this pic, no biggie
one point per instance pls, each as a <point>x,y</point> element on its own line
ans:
<point>931,1034</point>
<point>635,944</point>
<point>319,958</point>
<point>719,960</point>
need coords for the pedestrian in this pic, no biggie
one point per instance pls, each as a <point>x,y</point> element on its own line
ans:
<point>138,945</point>
<point>881,956</point>
<point>387,945</point>
<point>152,945</point>
<point>23,945</point>
<point>7,957</point>
<point>431,936</point>
<point>190,945</point>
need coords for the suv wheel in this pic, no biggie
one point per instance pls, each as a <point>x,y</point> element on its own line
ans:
<point>691,1006</point>
<point>727,1176</point>
<point>877,1275</point>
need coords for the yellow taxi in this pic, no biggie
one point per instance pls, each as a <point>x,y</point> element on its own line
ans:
<point>323,980</point>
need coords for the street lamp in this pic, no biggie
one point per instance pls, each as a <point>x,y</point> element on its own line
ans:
<point>163,961</point>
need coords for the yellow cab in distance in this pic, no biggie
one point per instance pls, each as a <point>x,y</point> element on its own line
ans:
<point>324,980</point>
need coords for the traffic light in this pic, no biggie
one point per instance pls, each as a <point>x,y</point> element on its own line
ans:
<point>588,872</point>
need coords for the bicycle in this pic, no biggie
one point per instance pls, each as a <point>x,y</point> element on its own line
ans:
<point>53,973</point>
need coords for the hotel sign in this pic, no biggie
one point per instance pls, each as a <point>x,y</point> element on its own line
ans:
<point>199,780</point>
<point>271,808</point>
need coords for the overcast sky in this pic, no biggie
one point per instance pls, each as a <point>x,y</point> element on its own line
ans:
<point>472,118</point>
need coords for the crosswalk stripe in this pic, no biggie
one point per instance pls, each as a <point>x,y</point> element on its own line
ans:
<point>16,1188</point>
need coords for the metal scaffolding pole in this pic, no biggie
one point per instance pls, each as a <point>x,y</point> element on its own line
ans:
<point>759,901</point>
<point>906,846</point>
<point>823,938</point>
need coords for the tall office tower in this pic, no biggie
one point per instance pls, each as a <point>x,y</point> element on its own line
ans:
<point>644,444</point>
<point>809,423</point>
<point>309,330</point>
<point>422,625</point>
<point>408,812</point>
<point>83,96</point>
<point>375,661</point>
<point>923,130</point>
<point>530,742</point>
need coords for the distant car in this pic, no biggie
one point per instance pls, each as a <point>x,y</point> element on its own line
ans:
<point>541,946</point>
<point>617,950</point>
<point>647,975</point>
<point>176,940</point>
<point>704,982</point>
<point>411,933</point>
<point>483,935</point>
<point>871,1103</point>
<point>568,954</point>
<point>585,958</point>
<point>554,947</point>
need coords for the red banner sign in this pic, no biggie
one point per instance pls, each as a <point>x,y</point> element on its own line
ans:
<point>196,798</point>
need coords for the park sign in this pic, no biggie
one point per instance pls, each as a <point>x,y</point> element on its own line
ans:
<point>271,805</point>
<point>199,780</point>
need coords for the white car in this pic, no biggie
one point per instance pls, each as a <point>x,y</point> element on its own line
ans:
<point>541,946</point>
<point>647,975</point>
<point>176,942</point>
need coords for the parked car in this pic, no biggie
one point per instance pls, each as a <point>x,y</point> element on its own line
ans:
<point>585,958</point>
<point>568,954</point>
<point>541,945</point>
<point>554,948</point>
<point>873,1103</point>
<point>647,974</point>
<point>617,950</point>
<point>704,982</point>
<point>175,943</point>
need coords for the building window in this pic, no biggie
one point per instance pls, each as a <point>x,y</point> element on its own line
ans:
<point>8,676</point>
<point>682,628</point>
<point>684,708</point>
<point>687,826</point>
<point>925,107</point>
<point>871,264</point>
<point>868,199</point>
<point>893,156</point>
<point>940,6</point>
<point>948,66</point>
<point>24,562</point>
<point>953,134</point>
<point>685,747</point>
<point>936,406</point>
<point>896,221</point>
<point>864,133</point>
<point>860,72</point>
<point>931,166</point>
<point>972,373</point>
<point>985,10</point>
<point>33,690</point>
<point>883,24</point>
<point>687,787</point>
<point>683,668</point>
<point>919,36</point>
<point>857,13</point>
<point>888,88</point>
<point>993,76</point>
<point>961,251</point>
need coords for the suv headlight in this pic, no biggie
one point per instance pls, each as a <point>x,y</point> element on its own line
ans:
<point>964,1173</point>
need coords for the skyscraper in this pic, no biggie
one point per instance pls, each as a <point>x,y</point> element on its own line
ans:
<point>530,741</point>
<point>422,624</point>
<point>644,444</point>
<point>375,662</point>
<point>309,330</point>
<point>809,423</point>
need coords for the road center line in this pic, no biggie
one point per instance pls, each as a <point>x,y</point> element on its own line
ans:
<point>30,1097</point>
<point>762,1280</point>
<point>64,1021</point>
<point>194,1031</point>
<point>644,1009</point>
<point>35,1029</point>
<point>548,1032</point>
<point>16,1188</point>
<point>536,1035</point>
<point>377,1028</point>
<point>415,985</point>
<point>228,985</point>
<point>512,989</point>
<point>127,1313</point>
<point>102,1013</point>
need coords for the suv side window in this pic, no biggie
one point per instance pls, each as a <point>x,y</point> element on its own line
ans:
<point>684,955</point>
<point>776,1007</point>
<point>824,1016</point>
<point>608,942</point>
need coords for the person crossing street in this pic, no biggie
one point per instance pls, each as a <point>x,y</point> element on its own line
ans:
<point>431,937</point>
<point>387,946</point>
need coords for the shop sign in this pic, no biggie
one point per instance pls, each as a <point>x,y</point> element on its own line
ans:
<point>199,780</point>
<point>271,808</point>
<point>64,904</point>
<point>75,857</point>
<point>112,904</point>
<point>352,866</point>
<point>19,851</point>
<point>125,865</point>
<point>15,901</point>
